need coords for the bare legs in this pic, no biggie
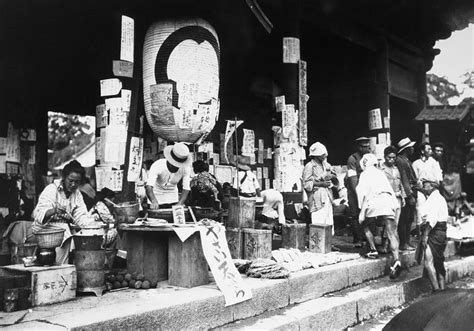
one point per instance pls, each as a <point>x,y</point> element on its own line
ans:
<point>437,280</point>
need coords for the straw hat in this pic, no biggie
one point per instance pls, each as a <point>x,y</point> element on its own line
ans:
<point>243,163</point>
<point>178,155</point>
<point>404,143</point>
<point>317,149</point>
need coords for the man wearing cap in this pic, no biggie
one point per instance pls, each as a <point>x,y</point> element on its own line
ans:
<point>409,183</point>
<point>317,176</point>
<point>433,239</point>
<point>425,167</point>
<point>247,181</point>
<point>352,179</point>
<point>164,175</point>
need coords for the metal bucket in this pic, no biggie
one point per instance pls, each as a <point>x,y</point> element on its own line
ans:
<point>126,212</point>
<point>89,238</point>
<point>90,270</point>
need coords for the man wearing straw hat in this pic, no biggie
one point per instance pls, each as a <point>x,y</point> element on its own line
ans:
<point>246,181</point>
<point>164,175</point>
<point>409,183</point>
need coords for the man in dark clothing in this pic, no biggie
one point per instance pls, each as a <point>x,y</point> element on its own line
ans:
<point>409,183</point>
<point>352,179</point>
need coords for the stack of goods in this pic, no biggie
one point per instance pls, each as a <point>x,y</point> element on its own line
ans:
<point>123,279</point>
<point>262,268</point>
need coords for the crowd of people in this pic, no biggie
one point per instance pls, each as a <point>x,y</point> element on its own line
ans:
<point>393,199</point>
<point>402,198</point>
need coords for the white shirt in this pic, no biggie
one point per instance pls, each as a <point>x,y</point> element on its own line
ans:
<point>272,199</point>
<point>249,185</point>
<point>427,168</point>
<point>435,209</point>
<point>164,182</point>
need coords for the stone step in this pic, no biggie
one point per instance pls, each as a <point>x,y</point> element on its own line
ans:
<point>201,307</point>
<point>351,306</point>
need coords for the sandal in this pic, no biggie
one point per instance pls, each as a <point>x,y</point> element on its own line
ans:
<point>372,255</point>
<point>395,269</point>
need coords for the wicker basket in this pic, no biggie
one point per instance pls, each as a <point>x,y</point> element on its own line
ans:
<point>50,238</point>
<point>180,56</point>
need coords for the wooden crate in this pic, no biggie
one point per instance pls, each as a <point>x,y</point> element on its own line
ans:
<point>187,265</point>
<point>241,213</point>
<point>48,284</point>
<point>293,236</point>
<point>235,241</point>
<point>257,244</point>
<point>320,237</point>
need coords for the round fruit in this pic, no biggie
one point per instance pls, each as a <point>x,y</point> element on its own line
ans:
<point>131,283</point>
<point>119,278</point>
<point>146,284</point>
<point>134,275</point>
<point>112,278</point>
<point>128,277</point>
<point>153,284</point>
<point>117,284</point>
<point>141,277</point>
<point>138,284</point>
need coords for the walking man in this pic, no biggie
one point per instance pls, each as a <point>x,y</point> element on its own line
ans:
<point>352,180</point>
<point>409,183</point>
<point>433,239</point>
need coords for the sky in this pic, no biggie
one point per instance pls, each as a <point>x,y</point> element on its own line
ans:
<point>457,54</point>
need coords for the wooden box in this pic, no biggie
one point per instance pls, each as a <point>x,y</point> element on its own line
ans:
<point>241,213</point>
<point>48,284</point>
<point>147,254</point>
<point>187,266</point>
<point>235,241</point>
<point>320,237</point>
<point>293,236</point>
<point>257,244</point>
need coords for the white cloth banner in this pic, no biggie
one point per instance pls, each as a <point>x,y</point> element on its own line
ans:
<point>228,279</point>
<point>135,159</point>
<point>229,131</point>
<point>248,144</point>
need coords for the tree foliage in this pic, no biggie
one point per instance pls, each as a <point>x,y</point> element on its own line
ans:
<point>63,128</point>
<point>440,88</point>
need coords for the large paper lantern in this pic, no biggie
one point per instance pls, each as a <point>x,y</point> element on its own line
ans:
<point>181,79</point>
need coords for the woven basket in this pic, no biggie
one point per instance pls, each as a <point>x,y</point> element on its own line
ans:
<point>50,238</point>
<point>180,56</point>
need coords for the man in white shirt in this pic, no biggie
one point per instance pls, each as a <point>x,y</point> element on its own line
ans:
<point>164,175</point>
<point>425,167</point>
<point>246,181</point>
<point>434,214</point>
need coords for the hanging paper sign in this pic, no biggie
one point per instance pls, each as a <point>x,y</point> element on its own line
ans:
<point>202,120</point>
<point>269,153</point>
<point>265,172</point>
<point>291,50</point>
<point>260,157</point>
<point>288,120</point>
<point>113,180</point>
<point>161,96</point>
<point>127,39</point>
<point>122,68</point>
<point>13,144</point>
<point>3,164</point>
<point>259,173</point>
<point>248,145</point>
<point>375,119</point>
<point>388,139</point>
<point>185,120</point>
<point>101,116</point>
<point>3,145</point>
<point>386,122</point>
<point>110,86</point>
<point>126,100</point>
<point>118,117</point>
<point>178,214</point>
<point>135,159</point>
<point>114,104</point>
<point>99,155</point>
<point>229,131</point>
<point>228,279</point>
<point>280,103</point>
<point>382,138</point>
<point>188,94</point>
<point>303,116</point>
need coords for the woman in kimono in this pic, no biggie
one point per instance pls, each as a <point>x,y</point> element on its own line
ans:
<point>61,204</point>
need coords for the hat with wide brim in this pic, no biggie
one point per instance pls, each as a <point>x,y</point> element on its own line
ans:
<point>178,155</point>
<point>317,149</point>
<point>405,143</point>
<point>243,163</point>
<point>362,140</point>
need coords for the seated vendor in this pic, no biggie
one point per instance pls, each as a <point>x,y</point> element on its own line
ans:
<point>246,181</point>
<point>61,204</point>
<point>164,175</point>
<point>205,189</point>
